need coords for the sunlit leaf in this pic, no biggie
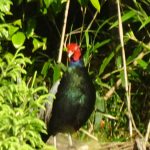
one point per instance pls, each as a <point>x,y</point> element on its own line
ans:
<point>12,30</point>
<point>57,73</point>
<point>39,44</point>
<point>18,39</point>
<point>96,4</point>
<point>147,21</point>
<point>48,2</point>
<point>142,63</point>
<point>46,68</point>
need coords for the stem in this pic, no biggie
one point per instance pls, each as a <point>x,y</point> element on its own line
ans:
<point>124,68</point>
<point>83,21</point>
<point>147,133</point>
<point>63,32</point>
<point>88,134</point>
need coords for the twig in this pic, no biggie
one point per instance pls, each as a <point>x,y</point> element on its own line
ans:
<point>82,27</point>
<point>111,91</point>
<point>118,83</point>
<point>63,32</point>
<point>90,135</point>
<point>124,66</point>
<point>147,136</point>
<point>89,26</point>
<point>117,145</point>
<point>140,144</point>
<point>133,62</point>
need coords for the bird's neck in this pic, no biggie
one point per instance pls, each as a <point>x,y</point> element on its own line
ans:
<point>78,63</point>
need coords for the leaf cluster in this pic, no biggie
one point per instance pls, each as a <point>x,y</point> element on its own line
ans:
<point>19,105</point>
<point>95,28</point>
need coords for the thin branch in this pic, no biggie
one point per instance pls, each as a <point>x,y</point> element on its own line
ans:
<point>124,66</point>
<point>112,90</point>
<point>63,32</point>
<point>94,17</point>
<point>89,26</point>
<point>83,21</point>
<point>122,46</point>
<point>147,136</point>
<point>88,134</point>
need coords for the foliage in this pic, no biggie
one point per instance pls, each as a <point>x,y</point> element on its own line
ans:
<point>111,71</point>
<point>19,104</point>
<point>35,27</point>
<point>102,44</point>
<point>5,8</point>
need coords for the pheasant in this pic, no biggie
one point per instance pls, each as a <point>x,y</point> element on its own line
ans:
<point>75,97</point>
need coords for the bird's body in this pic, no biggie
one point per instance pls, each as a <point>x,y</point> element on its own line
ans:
<point>75,100</point>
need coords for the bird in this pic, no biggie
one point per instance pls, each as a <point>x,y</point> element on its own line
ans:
<point>75,97</point>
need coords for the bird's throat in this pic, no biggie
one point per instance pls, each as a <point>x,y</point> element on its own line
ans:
<point>78,63</point>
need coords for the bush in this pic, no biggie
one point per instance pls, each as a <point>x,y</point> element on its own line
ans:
<point>20,127</point>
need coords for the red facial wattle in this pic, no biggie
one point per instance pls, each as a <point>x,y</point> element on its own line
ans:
<point>74,51</point>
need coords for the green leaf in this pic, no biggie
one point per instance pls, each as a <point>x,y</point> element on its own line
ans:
<point>18,23</point>
<point>105,62</point>
<point>31,25</point>
<point>101,44</point>
<point>124,18</point>
<point>12,30</point>
<point>147,21</point>
<point>46,68</point>
<point>87,38</point>
<point>5,6</point>
<point>100,105</point>
<point>122,78</point>
<point>142,63</point>
<point>38,44</point>
<point>96,4</point>
<point>119,61</point>
<point>48,2</point>
<point>18,39</point>
<point>57,72</point>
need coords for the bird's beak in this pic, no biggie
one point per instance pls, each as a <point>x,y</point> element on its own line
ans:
<point>70,54</point>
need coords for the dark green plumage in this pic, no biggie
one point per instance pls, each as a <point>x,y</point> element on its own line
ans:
<point>74,101</point>
<point>75,97</point>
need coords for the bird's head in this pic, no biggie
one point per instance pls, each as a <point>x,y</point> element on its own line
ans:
<point>73,51</point>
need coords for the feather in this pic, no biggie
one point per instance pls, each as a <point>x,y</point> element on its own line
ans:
<point>75,99</point>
